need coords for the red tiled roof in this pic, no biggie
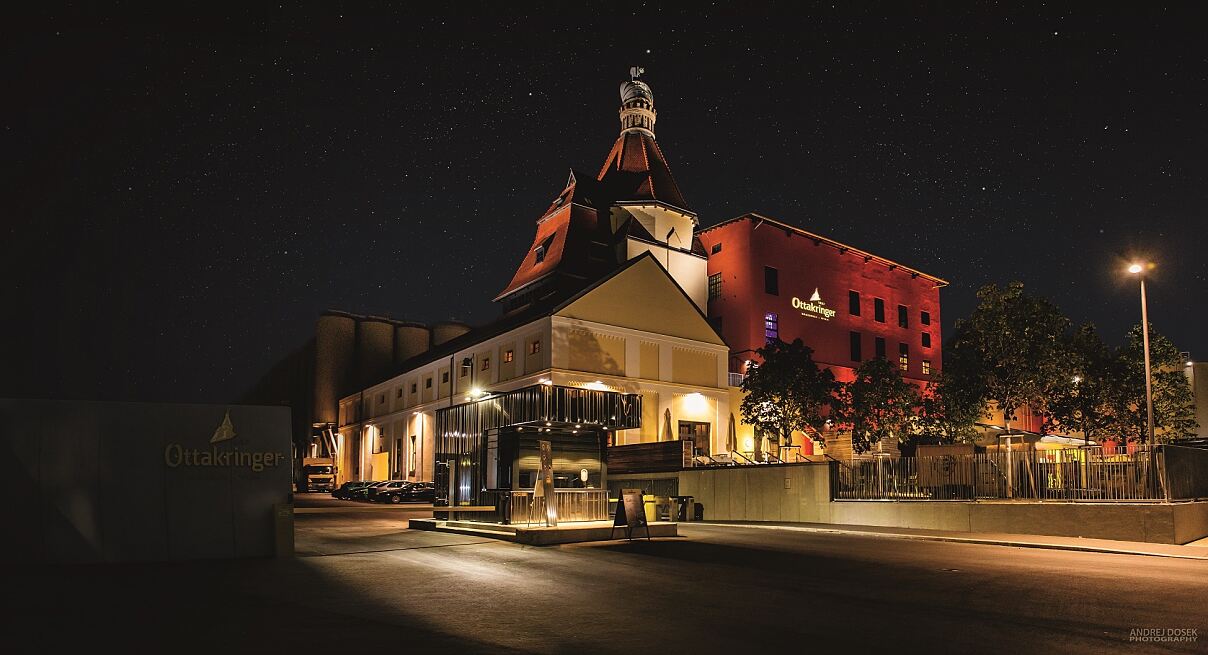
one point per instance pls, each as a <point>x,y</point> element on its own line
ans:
<point>636,170</point>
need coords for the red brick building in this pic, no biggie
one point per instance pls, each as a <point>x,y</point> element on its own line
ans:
<point>768,279</point>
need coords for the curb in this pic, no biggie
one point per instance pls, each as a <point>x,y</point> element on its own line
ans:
<point>964,540</point>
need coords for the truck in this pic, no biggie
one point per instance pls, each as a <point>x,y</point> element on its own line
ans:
<point>318,474</point>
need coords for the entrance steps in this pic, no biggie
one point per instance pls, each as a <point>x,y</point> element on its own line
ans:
<point>534,535</point>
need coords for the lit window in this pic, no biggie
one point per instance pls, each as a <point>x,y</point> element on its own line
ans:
<point>771,327</point>
<point>926,339</point>
<point>535,347</point>
<point>926,367</point>
<point>904,356</point>
<point>714,286</point>
<point>878,310</point>
<point>486,364</point>
<point>507,356</point>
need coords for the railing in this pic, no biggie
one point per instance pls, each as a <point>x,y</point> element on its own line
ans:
<point>518,506</point>
<point>1161,473</point>
<point>736,379</point>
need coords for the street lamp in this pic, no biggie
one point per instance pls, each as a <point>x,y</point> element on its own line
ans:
<point>1139,270</point>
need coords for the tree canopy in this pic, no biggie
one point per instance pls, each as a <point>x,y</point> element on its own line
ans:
<point>878,404</point>
<point>787,391</point>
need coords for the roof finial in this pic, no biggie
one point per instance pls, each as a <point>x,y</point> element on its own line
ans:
<point>635,72</point>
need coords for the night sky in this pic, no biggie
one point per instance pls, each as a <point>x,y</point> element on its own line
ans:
<point>184,194</point>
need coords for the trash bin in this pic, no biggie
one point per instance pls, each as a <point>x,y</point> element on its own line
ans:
<point>684,508</point>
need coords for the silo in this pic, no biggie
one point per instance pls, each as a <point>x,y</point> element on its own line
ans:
<point>447,331</point>
<point>410,340</point>
<point>335,343</point>
<point>374,351</point>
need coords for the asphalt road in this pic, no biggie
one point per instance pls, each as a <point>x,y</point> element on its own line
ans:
<point>368,583</point>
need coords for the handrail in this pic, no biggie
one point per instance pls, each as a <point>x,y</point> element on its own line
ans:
<point>739,453</point>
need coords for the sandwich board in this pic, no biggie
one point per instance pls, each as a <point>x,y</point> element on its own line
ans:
<point>631,513</point>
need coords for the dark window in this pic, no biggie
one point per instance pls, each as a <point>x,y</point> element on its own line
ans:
<point>427,383</point>
<point>543,249</point>
<point>412,387</point>
<point>903,317</point>
<point>878,310</point>
<point>381,397</point>
<point>853,303</point>
<point>714,286</point>
<point>881,347</point>
<point>486,364</point>
<point>771,280</point>
<point>507,356</point>
<point>771,327</point>
<point>925,318</point>
<point>444,377</point>
<point>904,356</point>
<point>400,393</point>
<point>715,249</point>
<point>926,339</point>
<point>855,346</point>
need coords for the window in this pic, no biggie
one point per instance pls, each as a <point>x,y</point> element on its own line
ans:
<point>925,318</point>
<point>486,364</point>
<point>771,327</point>
<point>853,303</point>
<point>771,280</point>
<point>542,249</point>
<point>881,347</point>
<point>444,377</point>
<point>411,459</point>
<point>507,356</point>
<point>381,398</point>
<point>926,339</point>
<point>413,387</point>
<point>878,310</point>
<point>903,317</point>
<point>535,347</point>
<point>926,367</point>
<point>855,346</point>
<point>714,286</point>
<point>904,356</point>
<point>427,383</point>
<point>400,393</point>
<point>715,249</point>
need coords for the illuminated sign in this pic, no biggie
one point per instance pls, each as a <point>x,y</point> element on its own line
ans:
<point>814,307</point>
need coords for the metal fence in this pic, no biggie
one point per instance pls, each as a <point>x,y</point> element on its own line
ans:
<point>1161,473</point>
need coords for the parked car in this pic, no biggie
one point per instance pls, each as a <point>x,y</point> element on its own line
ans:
<point>421,491</point>
<point>363,492</point>
<point>344,491</point>
<point>383,493</point>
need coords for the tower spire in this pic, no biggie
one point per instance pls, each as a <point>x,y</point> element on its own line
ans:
<point>637,104</point>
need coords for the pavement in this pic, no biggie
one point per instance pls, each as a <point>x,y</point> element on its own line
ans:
<point>365,582</point>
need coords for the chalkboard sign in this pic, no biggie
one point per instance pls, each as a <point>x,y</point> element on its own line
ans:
<point>631,513</point>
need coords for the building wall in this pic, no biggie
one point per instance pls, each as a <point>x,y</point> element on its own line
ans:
<point>804,265</point>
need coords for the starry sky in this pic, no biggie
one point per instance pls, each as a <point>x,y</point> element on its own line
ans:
<point>185,193</point>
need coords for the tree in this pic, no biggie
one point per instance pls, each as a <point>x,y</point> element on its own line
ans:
<point>786,391</point>
<point>1015,346</point>
<point>1084,401</point>
<point>1173,402</point>
<point>954,400</point>
<point>877,404</point>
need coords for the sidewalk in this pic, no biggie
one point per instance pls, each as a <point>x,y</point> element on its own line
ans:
<point>1195,550</point>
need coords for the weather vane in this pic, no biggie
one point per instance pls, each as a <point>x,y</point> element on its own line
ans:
<point>635,72</point>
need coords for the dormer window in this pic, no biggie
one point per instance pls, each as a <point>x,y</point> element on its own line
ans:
<point>542,249</point>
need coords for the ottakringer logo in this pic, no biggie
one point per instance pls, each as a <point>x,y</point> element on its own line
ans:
<point>176,455</point>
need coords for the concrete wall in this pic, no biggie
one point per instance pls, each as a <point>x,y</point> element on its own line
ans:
<point>801,493</point>
<point>91,481</point>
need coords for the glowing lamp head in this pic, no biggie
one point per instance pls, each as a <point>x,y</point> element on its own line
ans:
<point>1135,268</point>
<point>476,392</point>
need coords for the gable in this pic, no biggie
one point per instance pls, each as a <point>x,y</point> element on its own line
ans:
<point>642,296</point>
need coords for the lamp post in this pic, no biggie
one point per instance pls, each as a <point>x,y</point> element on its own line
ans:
<point>1139,270</point>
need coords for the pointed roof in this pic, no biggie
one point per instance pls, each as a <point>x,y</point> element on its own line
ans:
<point>637,170</point>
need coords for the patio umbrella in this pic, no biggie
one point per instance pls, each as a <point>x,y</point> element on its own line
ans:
<point>731,436</point>
<point>667,425</point>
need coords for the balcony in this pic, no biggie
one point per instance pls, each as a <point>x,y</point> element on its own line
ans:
<point>736,379</point>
